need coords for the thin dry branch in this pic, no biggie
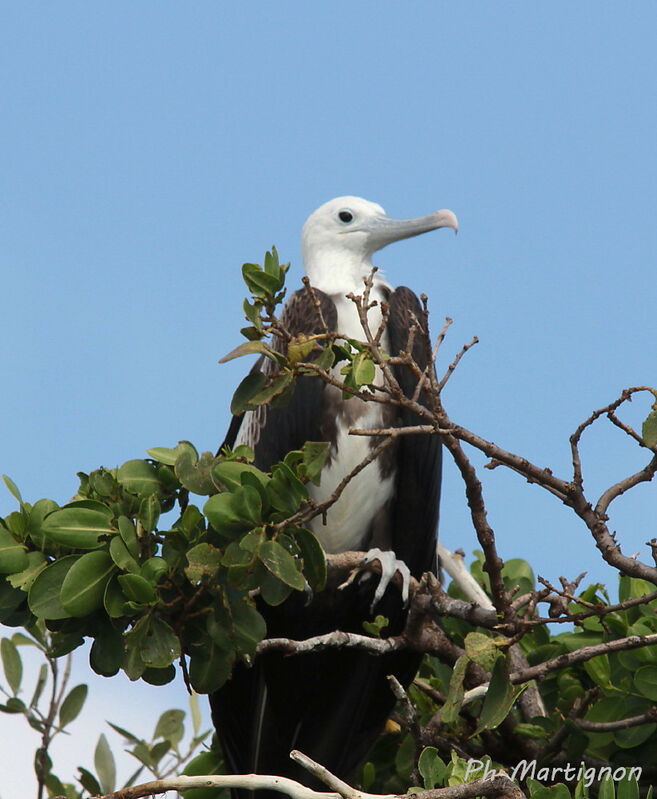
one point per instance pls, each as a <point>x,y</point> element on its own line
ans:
<point>581,655</point>
<point>649,717</point>
<point>450,369</point>
<point>312,509</point>
<point>478,514</point>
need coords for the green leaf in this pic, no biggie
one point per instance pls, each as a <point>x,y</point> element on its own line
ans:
<point>314,559</point>
<point>224,516</point>
<point>114,599</point>
<point>315,454</point>
<point>36,563</point>
<point>251,541</point>
<point>195,712</point>
<point>11,485</point>
<point>160,646</point>
<point>645,680</point>
<point>271,263</point>
<point>272,590</point>
<point>607,789</point>
<point>137,589</point>
<point>450,709</point>
<point>78,526</point>
<point>276,387</point>
<point>252,333</point>
<point>648,429</point>
<point>13,705</point>
<point>599,670</point>
<point>122,558</point>
<point>43,598</point>
<point>209,667</point>
<point>204,561</point>
<point>540,791</point>
<point>299,347</point>
<point>84,585</point>
<point>252,384</point>
<point>325,359</point>
<point>153,569</point>
<point>13,557</point>
<point>12,664</point>
<point>195,472</point>
<point>170,726</point>
<point>105,766</point>
<point>376,626</point>
<point>260,283</point>
<point>634,736</point>
<point>10,600</point>
<point>89,782</point>
<point>164,455</point>
<point>517,572</point>
<point>534,731</point>
<point>482,649</point>
<point>159,676</point>
<point>252,313</point>
<point>286,491</point>
<point>159,750</point>
<point>149,512</point>
<point>39,511</point>
<point>281,564</point>
<point>72,704</point>
<point>42,679</point>
<point>627,788</point>
<point>139,477</point>
<point>248,504</point>
<point>249,627</point>
<point>236,555</point>
<point>104,483</point>
<point>129,536</point>
<point>499,698</point>
<point>364,370</point>
<point>231,473</point>
<point>107,651</point>
<point>254,482</point>
<point>431,767</point>
<point>247,348</point>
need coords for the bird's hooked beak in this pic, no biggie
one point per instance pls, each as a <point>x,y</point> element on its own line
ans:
<point>384,230</point>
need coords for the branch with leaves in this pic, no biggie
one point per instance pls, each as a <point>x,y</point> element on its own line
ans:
<point>156,596</point>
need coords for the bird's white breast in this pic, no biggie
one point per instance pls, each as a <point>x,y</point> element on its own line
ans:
<point>348,521</point>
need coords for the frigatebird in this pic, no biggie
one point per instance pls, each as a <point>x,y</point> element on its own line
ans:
<point>332,704</point>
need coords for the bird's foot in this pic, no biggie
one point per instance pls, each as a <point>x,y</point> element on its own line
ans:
<point>308,592</point>
<point>390,566</point>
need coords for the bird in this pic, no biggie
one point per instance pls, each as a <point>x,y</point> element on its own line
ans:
<point>332,705</point>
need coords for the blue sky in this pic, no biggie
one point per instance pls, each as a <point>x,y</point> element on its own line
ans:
<point>150,148</point>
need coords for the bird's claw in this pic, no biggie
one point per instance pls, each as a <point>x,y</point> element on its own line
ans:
<point>308,592</point>
<point>390,565</point>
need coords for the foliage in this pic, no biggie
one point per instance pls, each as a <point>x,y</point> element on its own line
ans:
<point>159,580</point>
<point>54,706</point>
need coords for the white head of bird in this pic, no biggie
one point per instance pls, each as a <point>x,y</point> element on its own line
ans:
<point>340,237</point>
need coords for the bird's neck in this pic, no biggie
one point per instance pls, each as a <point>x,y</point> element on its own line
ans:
<point>339,272</point>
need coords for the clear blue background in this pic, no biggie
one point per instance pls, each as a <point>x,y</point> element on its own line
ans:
<point>148,149</point>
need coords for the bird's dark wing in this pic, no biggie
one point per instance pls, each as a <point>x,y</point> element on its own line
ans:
<point>272,432</point>
<point>419,457</point>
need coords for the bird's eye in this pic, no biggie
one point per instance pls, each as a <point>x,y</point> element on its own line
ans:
<point>345,216</point>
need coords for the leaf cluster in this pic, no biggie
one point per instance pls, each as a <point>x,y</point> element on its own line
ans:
<point>106,566</point>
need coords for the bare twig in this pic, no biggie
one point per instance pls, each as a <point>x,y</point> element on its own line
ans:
<point>455,363</point>
<point>581,655</point>
<point>316,303</point>
<point>649,717</point>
